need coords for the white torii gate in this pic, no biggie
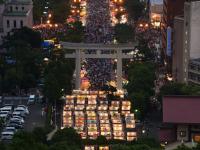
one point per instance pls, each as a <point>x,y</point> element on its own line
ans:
<point>116,51</point>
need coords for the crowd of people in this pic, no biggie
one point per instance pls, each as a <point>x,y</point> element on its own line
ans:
<point>49,32</point>
<point>98,30</point>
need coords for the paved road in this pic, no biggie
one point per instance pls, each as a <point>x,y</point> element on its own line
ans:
<point>35,119</point>
<point>14,100</point>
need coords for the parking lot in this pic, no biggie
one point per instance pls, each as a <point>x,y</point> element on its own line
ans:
<point>17,115</point>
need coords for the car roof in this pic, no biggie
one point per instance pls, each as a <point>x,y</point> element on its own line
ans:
<point>7,132</point>
<point>32,96</point>
<point>9,127</point>
<point>6,107</point>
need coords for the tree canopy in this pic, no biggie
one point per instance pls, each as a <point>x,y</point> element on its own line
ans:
<point>22,64</point>
<point>141,78</point>
<point>135,9</point>
<point>124,33</point>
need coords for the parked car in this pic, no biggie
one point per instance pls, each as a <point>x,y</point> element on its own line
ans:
<point>12,129</point>
<point>17,120</point>
<point>31,99</point>
<point>23,112</point>
<point>17,113</point>
<point>18,117</point>
<point>7,109</point>
<point>24,107</point>
<point>4,115</point>
<point>7,135</point>
<point>16,125</point>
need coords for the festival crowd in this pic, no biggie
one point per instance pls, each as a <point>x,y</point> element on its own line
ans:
<point>98,30</point>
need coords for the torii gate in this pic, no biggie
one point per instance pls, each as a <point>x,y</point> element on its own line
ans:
<point>116,51</point>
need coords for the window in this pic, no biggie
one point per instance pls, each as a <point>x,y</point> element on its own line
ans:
<point>21,23</point>
<point>22,8</point>
<point>16,8</point>
<point>8,24</point>
<point>14,23</point>
<point>11,9</point>
<point>182,133</point>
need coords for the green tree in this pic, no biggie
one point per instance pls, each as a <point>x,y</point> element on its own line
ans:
<point>60,10</point>
<point>135,9</point>
<point>38,9</point>
<point>183,147</point>
<point>174,88</point>
<point>23,35</point>
<point>63,146</point>
<point>24,140</point>
<point>124,33</point>
<point>23,47</point>
<point>74,33</point>
<point>141,78</point>
<point>69,136</point>
<point>58,78</point>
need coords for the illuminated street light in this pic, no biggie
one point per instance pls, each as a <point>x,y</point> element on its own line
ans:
<point>49,15</point>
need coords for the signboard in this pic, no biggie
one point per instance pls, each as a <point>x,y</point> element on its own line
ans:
<point>169,41</point>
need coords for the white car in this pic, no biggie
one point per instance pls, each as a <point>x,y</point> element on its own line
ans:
<point>18,117</point>
<point>7,109</point>
<point>31,99</point>
<point>24,107</point>
<point>22,110</point>
<point>17,120</point>
<point>10,129</point>
<point>7,135</point>
<point>4,114</point>
<point>19,112</point>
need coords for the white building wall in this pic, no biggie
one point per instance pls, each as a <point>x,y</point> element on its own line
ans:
<point>194,29</point>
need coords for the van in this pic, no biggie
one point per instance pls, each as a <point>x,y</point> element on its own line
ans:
<point>31,99</point>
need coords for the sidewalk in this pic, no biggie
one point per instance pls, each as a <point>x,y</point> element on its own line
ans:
<point>51,134</point>
<point>173,146</point>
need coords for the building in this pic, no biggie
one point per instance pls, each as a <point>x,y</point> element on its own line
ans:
<point>194,71</point>
<point>182,113</point>
<point>186,51</point>
<point>192,28</point>
<point>15,14</point>
<point>156,12</point>
<point>180,57</point>
<point>171,8</point>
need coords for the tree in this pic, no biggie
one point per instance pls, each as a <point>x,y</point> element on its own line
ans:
<point>144,49</point>
<point>183,147</point>
<point>60,10</point>
<point>135,9</point>
<point>141,78</point>
<point>174,88</point>
<point>38,9</point>
<point>23,140</point>
<point>23,35</point>
<point>124,33</point>
<point>69,136</point>
<point>23,49</point>
<point>74,33</point>
<point>58,78</point>
<point>63,146</point>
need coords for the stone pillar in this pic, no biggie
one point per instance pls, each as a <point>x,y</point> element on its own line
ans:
<point>119,69</point>
<point>78,69</point>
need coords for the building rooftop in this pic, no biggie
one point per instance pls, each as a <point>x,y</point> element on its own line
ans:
<point>181,109</point>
